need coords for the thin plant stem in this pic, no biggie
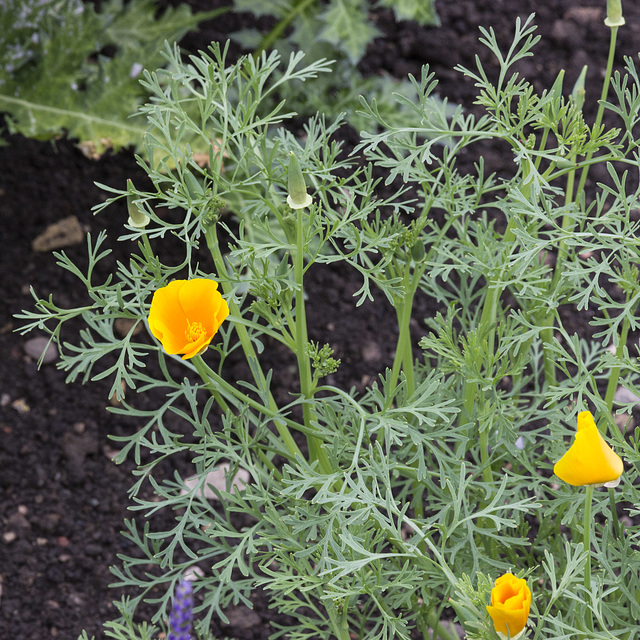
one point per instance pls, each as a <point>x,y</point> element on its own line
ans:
<point>586,537</point>
<point>245,341</point>
<point>439,630</point>
<point>316,451</point>
<point>603,98</point>
<point>338,622</point>
<point>403,359</point>
<point>617,530</point>
<point>278,30</point>
<point>567,221</point>
<point>614,374</point>
<point>210,377</point>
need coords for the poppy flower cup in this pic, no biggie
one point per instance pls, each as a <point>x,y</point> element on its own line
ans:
<point>589,460</point>
<point>510,604</point>
<point>186,314</point>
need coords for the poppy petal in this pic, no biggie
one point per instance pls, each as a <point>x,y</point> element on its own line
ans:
<point>589,460</point>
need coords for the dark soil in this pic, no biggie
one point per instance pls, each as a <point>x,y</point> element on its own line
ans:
<point>63,500</point>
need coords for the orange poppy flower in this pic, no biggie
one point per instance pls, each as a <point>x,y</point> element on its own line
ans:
<point>186,314</point>
<point>510,604</point>
<point>589,460</point>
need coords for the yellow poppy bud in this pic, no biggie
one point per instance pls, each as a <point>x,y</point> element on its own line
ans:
<point>186,314</point>
<point>590,460</point>
<point>137,217</point>
<point>614,14</point>
<point>510,604</point>
<point>298,197</point>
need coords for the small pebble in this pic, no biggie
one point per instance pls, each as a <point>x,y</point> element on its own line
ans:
<point>624,396</point>
<point>36,347</point>
<point>20,406</point>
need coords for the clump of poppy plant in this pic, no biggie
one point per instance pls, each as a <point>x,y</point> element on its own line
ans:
<point>589,460</point>
<point>186,314</point>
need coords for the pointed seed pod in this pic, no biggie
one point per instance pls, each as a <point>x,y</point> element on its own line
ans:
<point>298,197</point>
<point>137,217</point>
<point>578,93</point>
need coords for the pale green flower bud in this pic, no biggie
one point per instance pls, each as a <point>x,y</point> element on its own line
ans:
<point>137,217</point>
<point>578,93</point>
<point>298,197</point>
<point>614,14</point>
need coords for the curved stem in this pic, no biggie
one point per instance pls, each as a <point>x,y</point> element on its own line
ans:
<point>214,383</point>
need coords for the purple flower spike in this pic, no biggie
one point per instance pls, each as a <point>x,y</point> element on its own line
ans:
<point>181,612</point>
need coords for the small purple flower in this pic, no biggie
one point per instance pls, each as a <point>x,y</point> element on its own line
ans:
<point>181,612</point>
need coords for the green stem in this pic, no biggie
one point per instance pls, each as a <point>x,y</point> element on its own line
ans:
<point>316,450</point>
<point>586,537</point>
<point>210,377</point>
<point>439,630</point>
<point>546,336</point>
<point>603,98</point>
<point>567,221</point>
<point>245,341</point>
<point>339,621</point>
<point>277,31</point>
<point>614,375</point>
<point>487,474</point>
<point>614,514</point>
<point>403,359</point>
<point>203,372</point>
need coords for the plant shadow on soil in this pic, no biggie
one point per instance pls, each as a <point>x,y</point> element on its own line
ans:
<point>63,500</point>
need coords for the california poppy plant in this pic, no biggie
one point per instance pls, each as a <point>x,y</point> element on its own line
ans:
<point>589,460</point>
<point>186,314</point>
<point>510,604</point>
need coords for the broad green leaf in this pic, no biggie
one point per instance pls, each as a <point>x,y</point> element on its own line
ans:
<point>420,11</point>
<point>55,78</point>
<point>278,8</point>
<point>347,27</point>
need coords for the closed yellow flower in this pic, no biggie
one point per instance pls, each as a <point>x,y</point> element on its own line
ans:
<point>510,604</point>
<point>186,314</point>
<point>589,460</point>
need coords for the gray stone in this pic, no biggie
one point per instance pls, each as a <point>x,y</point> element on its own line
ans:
<point>35,347</point>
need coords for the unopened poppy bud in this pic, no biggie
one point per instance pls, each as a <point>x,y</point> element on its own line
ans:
<point>510,605</point>
<point>137,217</point>
<point>556,89</point>
<point>578,93</point>
<point>614,14</point>
<point>298,197</point>
<point>417,251</point>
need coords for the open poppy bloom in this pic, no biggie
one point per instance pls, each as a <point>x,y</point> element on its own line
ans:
<point>186,314</point>
<point>590,460</point>
<point>510,604</point>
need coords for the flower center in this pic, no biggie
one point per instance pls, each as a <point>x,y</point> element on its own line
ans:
<point>194,331</point>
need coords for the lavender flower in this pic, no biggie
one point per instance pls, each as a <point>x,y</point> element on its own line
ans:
<point>181,612</point>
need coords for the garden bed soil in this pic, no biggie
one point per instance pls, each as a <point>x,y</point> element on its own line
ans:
<point>63,500</point>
